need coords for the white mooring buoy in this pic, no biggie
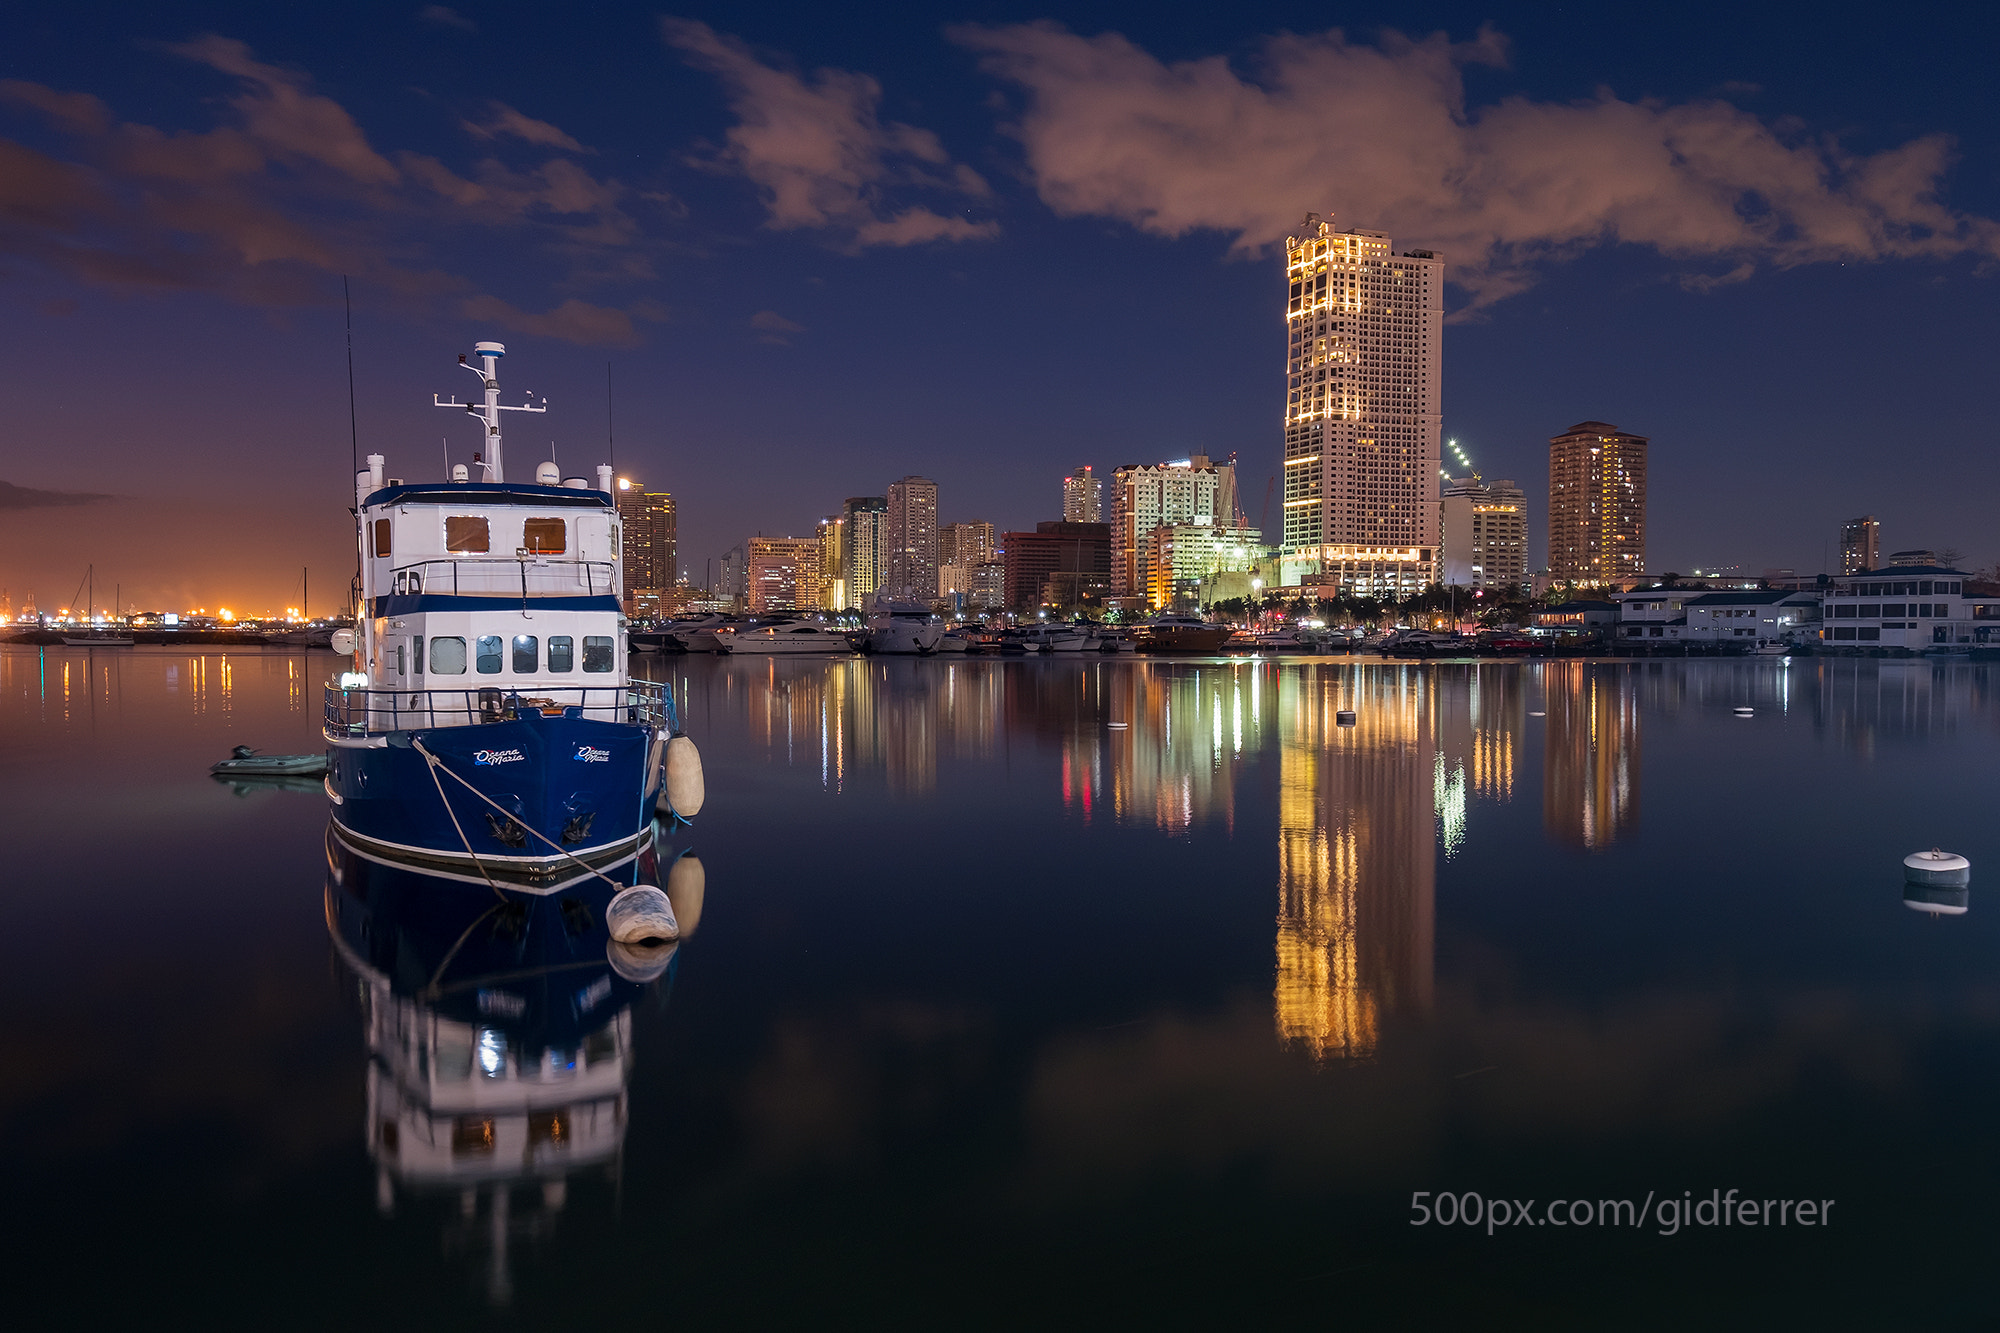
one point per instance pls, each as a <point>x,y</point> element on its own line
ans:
<point>684,789</point>
<point>1937,869</point>
<point>1745,710</point>
<point>639,914</point>
<point>687,886</point>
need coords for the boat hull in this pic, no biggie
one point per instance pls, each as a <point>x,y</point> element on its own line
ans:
<point>586,787</point>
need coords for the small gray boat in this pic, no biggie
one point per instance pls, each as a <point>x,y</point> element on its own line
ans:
<point>246,762</point>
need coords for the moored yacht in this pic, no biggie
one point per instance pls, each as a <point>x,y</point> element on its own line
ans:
<point>903,627</point>
<point>1171,632</point>
<point>488,724</point>
<point>790,636</point>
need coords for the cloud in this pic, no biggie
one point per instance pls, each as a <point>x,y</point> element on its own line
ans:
<point>22,497</point>
<point>505,120</point>
<point>288,191</point>
<point>572,321</point>
<point>443,16</point>
<point>774,327</point>
<point>1382,135</point>
<point>819,153</point>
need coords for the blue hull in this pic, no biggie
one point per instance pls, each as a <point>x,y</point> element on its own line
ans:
<point>564,787</point>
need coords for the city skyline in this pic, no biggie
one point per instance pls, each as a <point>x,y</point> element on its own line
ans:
<point>758,311</point>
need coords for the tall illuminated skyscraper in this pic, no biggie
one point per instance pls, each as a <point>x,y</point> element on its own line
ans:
<point>1860,545</point>
<point>866,556</point>
<point>1083,497</point>
<point>913,539</point>
<point>1597,504</point>
<point>650,540</point>
<point>1364,358</point>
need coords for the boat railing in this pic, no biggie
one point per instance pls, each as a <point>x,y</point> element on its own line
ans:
<point>353,713</point>
<point>525,576</point>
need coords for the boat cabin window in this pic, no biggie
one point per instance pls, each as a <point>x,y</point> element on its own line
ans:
<point>597,653</point>
<point>527,649</point>
<point>465,532</point>
<point>381,538</point>
<point>448,656</point>
<point>489,655</point>
<point>543,536</point>
<point>562,653</point>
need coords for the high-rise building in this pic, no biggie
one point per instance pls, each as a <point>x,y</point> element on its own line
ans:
<point>962,547</point>
<point>866,557</point>
<point>784,574</point>
<point>1083,496</point>
<point>1364,357</point>
<point>1597,504</point>
<point>647,518</point>
<point>1860,545</point>
<point>732,577</point>
<point>913,539</point>
<point>1052,550</point>
<point>832,563</point>
<point>1148,496</point>
<point>1183,557</point>
<point>1484,532</point>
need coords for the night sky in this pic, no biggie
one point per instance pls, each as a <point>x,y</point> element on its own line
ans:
<point>822,247</point>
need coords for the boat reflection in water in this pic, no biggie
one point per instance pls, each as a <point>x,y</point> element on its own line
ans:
<point>499,1039</point>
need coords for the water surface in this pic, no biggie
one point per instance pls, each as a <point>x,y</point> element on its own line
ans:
<point>1063,991</point>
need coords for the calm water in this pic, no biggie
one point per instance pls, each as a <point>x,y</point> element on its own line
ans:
<point>999,1012</point>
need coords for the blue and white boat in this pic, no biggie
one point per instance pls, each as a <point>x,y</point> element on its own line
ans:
<point>489,726</point>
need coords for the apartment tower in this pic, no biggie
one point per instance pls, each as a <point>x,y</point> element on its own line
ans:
<point>866,554</point>
<point>1860,545</point>
<point>1597,504</point>
<point>1154,495</point>
<point>1083,497</point>
<point>913,540</point>
<point>1483,531</point>
<point>649,524</point>
<point>1364,354</point>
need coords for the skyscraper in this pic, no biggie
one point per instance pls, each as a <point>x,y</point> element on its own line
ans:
<point>833,563</point>
<point>962,547</point>
<point>1484,532</point>
<point>1860,544</point>
<point>1083,497</point>
<point>866,556</point>
<point>784,574</point>
<point>649,524</point>
<point>1597,504</point>
<point>913,540</point>
<point>1152,495</point>
<point>1364,357</point>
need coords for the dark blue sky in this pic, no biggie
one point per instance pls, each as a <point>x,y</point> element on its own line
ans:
<point>170,259</point>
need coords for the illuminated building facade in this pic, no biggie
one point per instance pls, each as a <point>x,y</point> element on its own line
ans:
<point>1083,496</point>
<point>650,539</point>
<point>1147,496</point>
<point>962,547</point>
<point>784,574</point>
<point>1597,504</point>
<point>1181,556</point>
<point>833,563</point>
<point>866,558</point>
<point>1860,545</point>
<point>1364,356</point>
<point>1484,532</point>
<point>912,540</point>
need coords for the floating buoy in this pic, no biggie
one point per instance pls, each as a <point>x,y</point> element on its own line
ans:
<point>684,790</point>
<point>1746,710</point>
<point>687,885</point>
<point>1538,715</point>
<point>640,963</point>
<point>1936,869</point>
<point>639,914</point>
<point>1344,718</point>
<point>1118,726</point>
<point>1933,900</point>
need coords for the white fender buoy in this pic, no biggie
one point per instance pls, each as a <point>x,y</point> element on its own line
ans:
<point>684,790</point>
<point>1935,901</point>
<point>641,913</point>
<point>1944,870</point>
<point>655,758</point>
<point>687,886</point>
<point>640,963</point>
<point>1746,711</point>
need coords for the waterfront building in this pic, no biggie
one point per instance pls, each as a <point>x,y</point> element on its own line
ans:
<point>912,540</point>
<point>1083,496</point>
<point>1147,496</point>
<point>1364,359</point>
<point>1180,557</point>
<point>1577,617</point>
<point>832,563</point>
<point>988,584</point>
<point>1033,559</point>
<point>1597,504</point>
<point>1908,606</point>
<point>1908,559</point>
<point>732,583</point>
<point>1860,545</point>
<point>1484,533</point>
<point>784,574</point>
<point>650,540</point>
<point>961,548</point>
<point>866,558</point>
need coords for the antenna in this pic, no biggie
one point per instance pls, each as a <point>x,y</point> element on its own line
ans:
<point>610,440</point>
<point>353,429</point>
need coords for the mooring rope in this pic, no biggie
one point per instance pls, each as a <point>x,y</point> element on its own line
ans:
<point>436,764</point>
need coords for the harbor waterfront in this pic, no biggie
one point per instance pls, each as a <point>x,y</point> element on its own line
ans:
<point>1063,988</point>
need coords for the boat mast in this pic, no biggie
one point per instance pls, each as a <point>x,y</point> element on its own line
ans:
<point>489,355</point>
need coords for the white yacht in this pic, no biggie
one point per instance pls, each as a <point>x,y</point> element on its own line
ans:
<point>903,627</point>
<point>1057,639</point>
<point>792,636</point>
